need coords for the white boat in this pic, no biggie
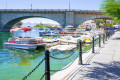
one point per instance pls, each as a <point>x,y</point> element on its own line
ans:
<point>43,31</point>
<point>69,39</point>
<point>49,40</point>
<point>88,40</point>
<point>24,43</point>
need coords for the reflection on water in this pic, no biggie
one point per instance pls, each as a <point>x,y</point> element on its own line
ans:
<point>25,56</point>
<point>16,63</point>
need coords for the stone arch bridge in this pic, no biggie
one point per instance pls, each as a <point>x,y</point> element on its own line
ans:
<point>8,17</point>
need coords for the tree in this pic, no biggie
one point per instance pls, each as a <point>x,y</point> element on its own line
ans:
<point>112,8</point>
<point>18,24</point>
<point>99,21</point>
<point>55,26</point>
<point>38,25</point>
<point>49,26</point>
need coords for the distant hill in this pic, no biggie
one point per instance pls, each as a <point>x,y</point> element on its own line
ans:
<point>29,24</point>
<point>33,24</point>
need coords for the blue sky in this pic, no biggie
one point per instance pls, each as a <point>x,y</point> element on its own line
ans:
<point>51,4</point>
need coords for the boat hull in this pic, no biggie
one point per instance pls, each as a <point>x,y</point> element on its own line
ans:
<point>20,46</point>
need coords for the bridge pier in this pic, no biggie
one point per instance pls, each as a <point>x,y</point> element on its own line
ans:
<point>1,22</point>
<point>2,25</point>
<point>70,18</point>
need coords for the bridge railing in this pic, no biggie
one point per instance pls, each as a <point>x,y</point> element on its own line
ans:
<point>49,10</point>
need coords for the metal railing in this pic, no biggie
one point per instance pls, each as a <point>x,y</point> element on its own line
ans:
<point>103,37</point>
<point>49,10</point>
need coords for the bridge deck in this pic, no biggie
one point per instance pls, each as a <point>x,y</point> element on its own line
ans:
<point>50,10</point>
<point>103,65</point>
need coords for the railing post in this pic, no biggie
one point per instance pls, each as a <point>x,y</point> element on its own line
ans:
<point>106,36</point>
<point>93,45</point>
<point>103,38</point>
<point>99,40</point>
<point>80,53</point>
<point>110,33</point>
<point>113,31</point>
<point>47,65</point>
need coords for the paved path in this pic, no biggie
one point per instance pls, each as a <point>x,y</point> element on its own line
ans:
<point>104,64</point>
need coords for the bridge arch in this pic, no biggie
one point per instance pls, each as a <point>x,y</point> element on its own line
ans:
<point>80,18</point>
<point>14,18</point>
<point>11,23</point>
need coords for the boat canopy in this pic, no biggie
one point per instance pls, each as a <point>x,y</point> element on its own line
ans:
<point>24,29</point>
<point>16,29</point>
<point>60,29</point>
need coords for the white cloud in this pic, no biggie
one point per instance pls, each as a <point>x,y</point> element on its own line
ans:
<point>39,20</point>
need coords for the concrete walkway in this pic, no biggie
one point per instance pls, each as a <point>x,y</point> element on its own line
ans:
<point>104,64</point>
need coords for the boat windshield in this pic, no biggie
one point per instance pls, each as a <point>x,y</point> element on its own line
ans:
<point>41,29</point>
<point>45,29</point>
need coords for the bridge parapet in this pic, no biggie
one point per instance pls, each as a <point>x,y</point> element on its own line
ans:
<point>51,10</point>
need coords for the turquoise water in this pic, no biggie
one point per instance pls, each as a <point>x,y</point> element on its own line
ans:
<point>17,63</point>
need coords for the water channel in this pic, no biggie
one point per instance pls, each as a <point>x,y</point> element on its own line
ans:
<point>17,63</point>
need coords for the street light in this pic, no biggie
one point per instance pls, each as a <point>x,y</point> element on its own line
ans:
<point>31,6</point>
<point>6,5</point>
<point>69,4</point>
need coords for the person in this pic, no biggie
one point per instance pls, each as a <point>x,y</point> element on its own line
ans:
<point>112,29</point>
<point>102,30</point>
<point>105,29</point>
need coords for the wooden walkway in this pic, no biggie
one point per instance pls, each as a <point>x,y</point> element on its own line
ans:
<point>104,64</point>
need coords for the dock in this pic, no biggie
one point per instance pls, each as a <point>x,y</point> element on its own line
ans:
<point>48,45</point>
<point>63,47</point>
<point>104,64</point>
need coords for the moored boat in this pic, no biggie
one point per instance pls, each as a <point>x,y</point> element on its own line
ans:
<point>24,43</point>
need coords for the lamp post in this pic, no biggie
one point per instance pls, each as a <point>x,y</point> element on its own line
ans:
<point>69,4</point>
<point>31,6</point>
<point>6,5</point>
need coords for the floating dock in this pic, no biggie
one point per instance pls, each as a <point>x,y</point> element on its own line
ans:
<point>63,47</point>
